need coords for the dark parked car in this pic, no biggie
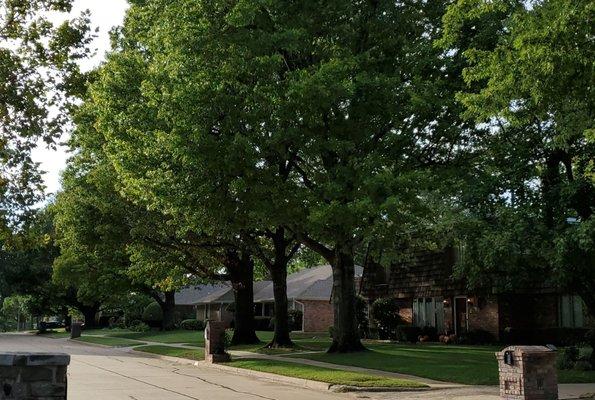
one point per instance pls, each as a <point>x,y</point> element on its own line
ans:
<point>47,325</point>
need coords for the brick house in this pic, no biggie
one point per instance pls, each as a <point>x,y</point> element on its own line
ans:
<point>427,295</point>
<point>308,290</point>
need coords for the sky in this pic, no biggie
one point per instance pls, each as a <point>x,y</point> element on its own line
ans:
<point>105,14</point>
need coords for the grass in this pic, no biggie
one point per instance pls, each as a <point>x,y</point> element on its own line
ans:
<point>301,345</point>
<point>472,365</point>
<point>333,377</point>
<point>191,354</point>
<point>55,334</point>
<point>110,341</point>
<point>195,338</point>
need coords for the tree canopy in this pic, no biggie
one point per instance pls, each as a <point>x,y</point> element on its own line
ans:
<point>529,77</point>
<point>39,76</point>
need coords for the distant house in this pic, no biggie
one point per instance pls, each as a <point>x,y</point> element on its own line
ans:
<point>308,290</point>
<point>427,295</point>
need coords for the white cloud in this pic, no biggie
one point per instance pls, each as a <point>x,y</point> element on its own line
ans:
<point>105,14</point>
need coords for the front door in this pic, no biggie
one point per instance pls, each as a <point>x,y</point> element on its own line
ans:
<point>460,315</point>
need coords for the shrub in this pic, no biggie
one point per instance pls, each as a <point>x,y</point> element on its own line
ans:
<point>385,312</point>
<point>139,326</point>
<point>119,324</point>
<point>407,333</point>
<point>262,323</point>
<point>478,336</point>
<point>567,358</point>
<point>192,325</point>
<point>429,332</point>
<point>590,340</point>
<point>561,337</point>
<point>134,322</point>
<point>582,366</point>
<point>153,315</point>
<point>295,320</point>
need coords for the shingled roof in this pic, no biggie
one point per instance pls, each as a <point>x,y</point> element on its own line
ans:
<point>424,274</point>
<point>308,284</point>
<point>430,274</point>
<point>192,295</point>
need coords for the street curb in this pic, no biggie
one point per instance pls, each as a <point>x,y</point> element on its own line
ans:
<point>90,344</point>
<point>375,389</point>
<point>105,346</point>
<point>298,382</point>
<point>307,383</point>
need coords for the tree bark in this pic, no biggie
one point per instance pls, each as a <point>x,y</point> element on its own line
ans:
<point>168,306</point>
<point>278,271</point>
<point>345,333</point>
<point>241,272</point>
<point>90,315</point>
<point>279,277</point>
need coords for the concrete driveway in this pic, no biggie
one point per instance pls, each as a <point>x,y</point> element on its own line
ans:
<point>97,373</point>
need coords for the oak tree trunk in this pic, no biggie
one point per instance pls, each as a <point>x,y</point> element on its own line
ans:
<point>168,307</point>
<point>281,335</point>
<point>90,315</point>
<point>241,272</point>
<point>345,333</point>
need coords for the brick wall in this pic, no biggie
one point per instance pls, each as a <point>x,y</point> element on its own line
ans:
<point>406,310</point>
<point>449,324</point>
<point>226,316</point>
<point>484,315</point>
<point>318,315</point>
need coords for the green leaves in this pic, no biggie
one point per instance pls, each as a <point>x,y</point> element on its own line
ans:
<point>528,79</point>
<point>38,77</point>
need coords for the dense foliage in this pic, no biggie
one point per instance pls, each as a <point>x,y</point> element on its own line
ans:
<point>531,196</point>
<point>221,138</point>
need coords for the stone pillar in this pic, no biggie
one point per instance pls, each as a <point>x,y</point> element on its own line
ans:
<point>75,330</point>
<point>528,373</point>
<point>214,342</point>
<point>33,376</point>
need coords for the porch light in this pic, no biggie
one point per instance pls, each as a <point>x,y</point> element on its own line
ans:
<point>446,302</point>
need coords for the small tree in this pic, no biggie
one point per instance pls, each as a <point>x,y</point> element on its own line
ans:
<point>385,312</point>
<point>17,309</point>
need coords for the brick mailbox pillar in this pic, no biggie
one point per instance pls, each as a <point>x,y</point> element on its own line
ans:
<point>75,330</point>
<point>33,376</point>
<point>215,343</point>
<point>528,373</point>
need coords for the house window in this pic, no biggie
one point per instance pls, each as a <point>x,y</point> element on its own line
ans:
<point>428,311</point>
<point>571,312</point>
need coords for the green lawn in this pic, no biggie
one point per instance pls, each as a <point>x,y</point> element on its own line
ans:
<point>110,341</point>
<point>307,342</point>
<point>473,365</point>
<point>319,374</point>
<point>191,354</point>
<point>55,334</point>
<point>195,338</point>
